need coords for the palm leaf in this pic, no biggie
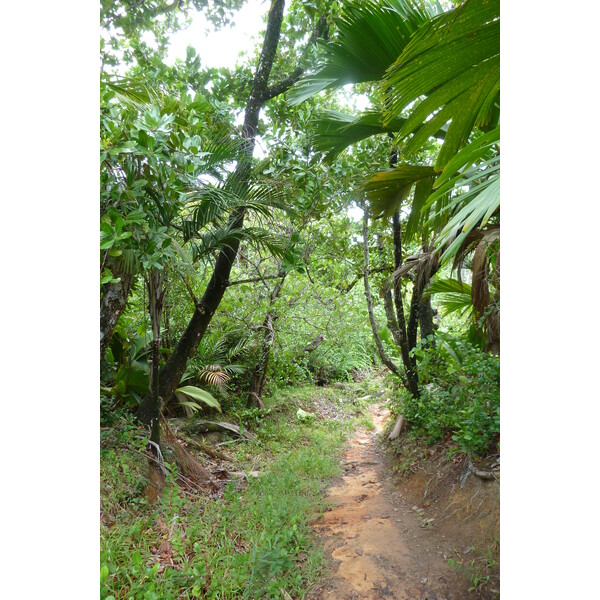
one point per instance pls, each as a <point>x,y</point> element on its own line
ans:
<point>418,215</point>
<point>469,155</point>
<point>214,375</point>
<point>191,396</point>
<point>334,131</point>
<point>129,91</point>
<point>475,213</point>
<point>452,65</point>
<point>452,295</point>
<point>387,189</point>
<point>371,35</point>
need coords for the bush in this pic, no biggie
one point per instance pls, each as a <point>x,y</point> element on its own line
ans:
<point>460,394</point>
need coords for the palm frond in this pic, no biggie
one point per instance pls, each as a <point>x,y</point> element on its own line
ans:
<point>334,131</point>
<point>213,375</point>
<point>190,397</point>
<point>424,266</point>
<point>129,91</point>
<point>452,295</point>
<point>371,35</point>
<point>452,65</point>
<point>418,215</point>
<point>484,201</point>
<point>263,238</point>
<point>474,152</point>
<point>387,189</point>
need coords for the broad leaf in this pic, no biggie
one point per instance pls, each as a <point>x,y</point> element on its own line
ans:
<point>452,67</point>
<point>190,396</point>
<point>371,35</point>
<point>387,189</point>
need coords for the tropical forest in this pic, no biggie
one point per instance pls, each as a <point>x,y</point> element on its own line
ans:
<point>299,296</point>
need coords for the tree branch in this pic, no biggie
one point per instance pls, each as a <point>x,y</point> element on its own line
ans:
<point>253,279</point>
<point>385,359</point>
<point>320,32</point>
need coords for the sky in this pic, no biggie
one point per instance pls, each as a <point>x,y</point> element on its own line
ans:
<point>220,48</point>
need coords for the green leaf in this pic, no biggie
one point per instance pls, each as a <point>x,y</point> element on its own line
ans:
<point>370,37</point>
<point>106,229</point>
<point>107,243</point>
<point>190,395</point>
<point>334,131</point>
<point>387,189</point>
<point>451,67</point>
<point>103,573</point>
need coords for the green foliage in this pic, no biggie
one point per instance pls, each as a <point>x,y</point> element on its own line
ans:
<point>371,35</point>
<point>126,367</point>
<point>460,395</point>
<point>479,570</point>
<point>191,396</point>
<point>454,61</point>
<point>250,544</point>
<point>451,296</point>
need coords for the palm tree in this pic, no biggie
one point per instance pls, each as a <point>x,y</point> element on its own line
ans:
<point>436,75</point>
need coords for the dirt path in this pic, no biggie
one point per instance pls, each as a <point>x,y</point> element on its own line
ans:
<point>375,538</point>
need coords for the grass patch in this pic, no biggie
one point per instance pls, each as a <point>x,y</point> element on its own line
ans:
<point>366,421</point>
<point>253,542</point>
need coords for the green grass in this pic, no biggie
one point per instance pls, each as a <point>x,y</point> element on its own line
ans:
<point>254,541</point>
<point>366,422</point>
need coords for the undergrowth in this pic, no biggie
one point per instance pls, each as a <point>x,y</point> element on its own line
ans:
<point>460,395</point>
<point>255,540</point>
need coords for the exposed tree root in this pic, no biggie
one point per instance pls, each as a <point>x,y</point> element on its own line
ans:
<point>190,465</point>
<point>397,428</point>
<point>481,473</point>
<point>204,448</point>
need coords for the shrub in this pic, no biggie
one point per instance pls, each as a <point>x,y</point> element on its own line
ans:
<point>460,394</point>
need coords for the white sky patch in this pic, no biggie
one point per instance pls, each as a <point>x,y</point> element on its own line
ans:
<point>220,48</point>
<point>358,102</point>
<point>355,213</point>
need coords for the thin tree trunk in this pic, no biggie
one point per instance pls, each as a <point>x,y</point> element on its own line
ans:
<point>412,377</point>
<point>257,382</point>
<point>174,368</point>
<point>155,295</point>
<point>410,366</point>
<point>421,282</point>
<point>425,318</point>
<point>112,304</point>
<point>388,302</point>
<point>385,359</point>
<point>155,306</point>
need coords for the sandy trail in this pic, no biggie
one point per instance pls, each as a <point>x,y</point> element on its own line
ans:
<point>375,539</point>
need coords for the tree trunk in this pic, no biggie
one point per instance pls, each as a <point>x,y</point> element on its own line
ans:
<point>112,304</point>
<point>390,315</point>
<point>410,366</point>
<point>412,377</point>
<point>257,383</point>
<point>388,302</point>
<point>171,373</point>
<point>258,375</point>
<point>156,478</point>
<point>314,344</point>
<point>155,305</point>
<point>385,359</point>
<point>398,426</point>
<point>421,281</point>
<point>426,318</point>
